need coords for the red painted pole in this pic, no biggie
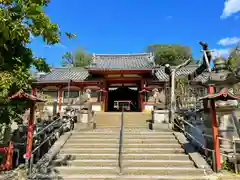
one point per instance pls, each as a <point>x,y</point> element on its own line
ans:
<point>216,145</point>
<point>140,96</point>
<point>34,91</point>
<point>104,96</point>
<point>59,99</point>
<point>30,128</point>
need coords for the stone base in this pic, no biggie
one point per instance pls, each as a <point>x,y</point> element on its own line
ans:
<point>160,116</point>
<point>161,126</point>
<point>84,118</point>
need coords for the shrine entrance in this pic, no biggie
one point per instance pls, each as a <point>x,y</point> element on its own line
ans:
<point>123,93</point>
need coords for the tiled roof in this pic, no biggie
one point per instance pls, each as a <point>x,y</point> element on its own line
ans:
<point>162,76</point>
<point>64,74</point>
<point>80,74</point>
<point>122,61</point>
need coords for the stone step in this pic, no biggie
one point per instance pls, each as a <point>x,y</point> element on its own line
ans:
<point>127,132</point>
<point>150,141</point>
<point>103,136</point>
<point>155,156</point>
<point>98,156</point>
<point>130,177</point>
<point>152,150</point>
<point>89,150</point>
<point>132,163</point>
<point>149,136</point>
<point>93,162</point>
<point>106,126</point>
<point>96,140</point>
<point>157,163</point>
<point>126,136</point>
<point>129,170</point>
<point>125,145</point>
<point>127,156</point>
<point>113,126</point>
<point>86,170</point>
<point>125,151</point>
<point>138,130</point>
<point>163,171</point>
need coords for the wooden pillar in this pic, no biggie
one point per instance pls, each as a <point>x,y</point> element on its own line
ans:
<point>141,95</point>
<point>105,96</point>
<point>34,91</point>
<point>30,128</point>
<point>60,98</point>
<point>216,145</point>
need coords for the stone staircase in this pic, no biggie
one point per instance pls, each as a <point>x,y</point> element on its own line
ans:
<point>146,154</point>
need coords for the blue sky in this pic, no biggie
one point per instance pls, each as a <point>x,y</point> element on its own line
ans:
<point>128,26</point>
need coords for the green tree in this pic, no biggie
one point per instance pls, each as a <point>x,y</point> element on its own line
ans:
<point>19,19</point>
<point>172,54</point>
<point>234,59</point>
<point>79,58</point>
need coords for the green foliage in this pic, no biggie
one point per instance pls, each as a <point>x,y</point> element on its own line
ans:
<point>79,58</point>
<point>20,19</point>
<point>172,54</point>
<point>234,59</point>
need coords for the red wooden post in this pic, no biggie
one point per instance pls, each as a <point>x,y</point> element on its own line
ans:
<point>9,159</point>
<point>59,99</point>
<point>30,127</point>
<point>141,95</point>
<point>105,96</point>
<point>215,131</point>
<point>34,91</point>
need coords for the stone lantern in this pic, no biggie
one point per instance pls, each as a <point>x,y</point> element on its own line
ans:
<point>221,103</point>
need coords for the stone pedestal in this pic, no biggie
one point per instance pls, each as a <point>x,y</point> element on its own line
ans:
<point>160,116</point>
<point>84,117</point>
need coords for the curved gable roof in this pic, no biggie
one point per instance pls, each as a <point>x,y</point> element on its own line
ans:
<point>122,61</point>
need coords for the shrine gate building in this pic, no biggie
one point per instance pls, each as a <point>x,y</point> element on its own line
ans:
<point>111,77</point>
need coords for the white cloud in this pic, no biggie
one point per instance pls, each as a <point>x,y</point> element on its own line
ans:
<point>230,7</point>
<point>229,41</point>
<point>221,52</point>
<point>169,17</point>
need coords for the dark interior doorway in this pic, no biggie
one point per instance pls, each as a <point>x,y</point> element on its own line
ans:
<point>123,93</point>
